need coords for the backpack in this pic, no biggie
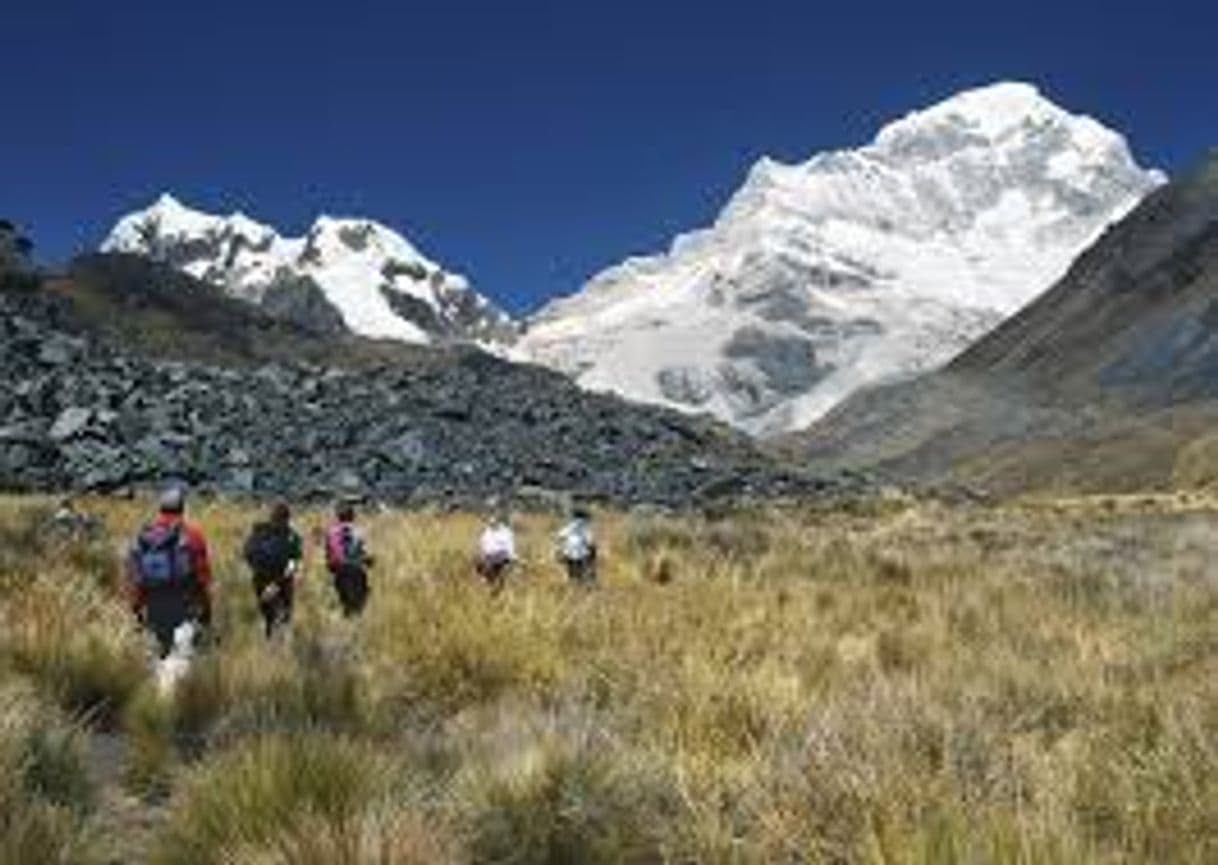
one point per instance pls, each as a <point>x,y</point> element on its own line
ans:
<point>267,549</point>
<point>575,542</point>
<point>496,546</point>
<point>162,558</point>
<point>343,547</point>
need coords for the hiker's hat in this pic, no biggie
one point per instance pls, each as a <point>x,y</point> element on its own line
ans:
<point>173,500</point>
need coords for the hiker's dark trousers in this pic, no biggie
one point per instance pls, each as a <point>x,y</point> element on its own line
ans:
<point>581,572</point>
<point>164,610</point>
<point>164,638</point>
<point>494,571</point>
<point>276,607</point>
<point>351,586</point>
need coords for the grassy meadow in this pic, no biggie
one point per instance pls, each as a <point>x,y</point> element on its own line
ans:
<point>902,684</point>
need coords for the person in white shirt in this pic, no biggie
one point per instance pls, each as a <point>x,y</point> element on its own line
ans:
<point>577,548</point>
<point>496,550</point>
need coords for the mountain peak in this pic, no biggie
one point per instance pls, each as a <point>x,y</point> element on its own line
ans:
<point>1008,113</point>
<point>854,267</point>
<point>166,201</point>
<point>379,284</point>
<point>990,110</point>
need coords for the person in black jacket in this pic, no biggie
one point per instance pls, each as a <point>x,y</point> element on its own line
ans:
<point>274,551</point>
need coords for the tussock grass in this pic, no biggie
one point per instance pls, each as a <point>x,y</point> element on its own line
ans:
<point>75,640</point>
<point>276,793</point>
<point>555,801</point>
<point>45,788</point>
<point>1031,683</point>
<point>304,799</point>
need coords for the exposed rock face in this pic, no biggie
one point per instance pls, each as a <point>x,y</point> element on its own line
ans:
<point>297,299</point>
<point>685,385</point>
<point>453,427</point>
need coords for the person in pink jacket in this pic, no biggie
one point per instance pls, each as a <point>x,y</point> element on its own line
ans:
<point>348,560</point>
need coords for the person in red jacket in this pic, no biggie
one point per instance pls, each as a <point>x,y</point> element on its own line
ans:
<point>169,572</point>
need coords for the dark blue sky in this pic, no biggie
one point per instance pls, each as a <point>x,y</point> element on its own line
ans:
<point>531,143</point>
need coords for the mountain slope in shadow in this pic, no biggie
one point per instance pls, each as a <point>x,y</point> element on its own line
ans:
<point>1107,381</point>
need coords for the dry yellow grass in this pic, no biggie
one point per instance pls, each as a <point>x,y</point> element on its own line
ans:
<point>45,792</point>
<point>1032,683</point>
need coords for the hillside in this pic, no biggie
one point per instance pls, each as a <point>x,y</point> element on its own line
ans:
<point>150,308</point>
<point>1109,380</point>
<point>123,373</point>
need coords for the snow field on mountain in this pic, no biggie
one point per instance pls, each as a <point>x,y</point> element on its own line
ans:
<point>853,268</point>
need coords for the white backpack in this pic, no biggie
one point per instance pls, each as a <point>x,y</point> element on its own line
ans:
<point>575,541</point>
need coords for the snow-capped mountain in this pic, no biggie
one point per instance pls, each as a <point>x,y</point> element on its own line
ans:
<point>855,267</point>
<point>343,273</point>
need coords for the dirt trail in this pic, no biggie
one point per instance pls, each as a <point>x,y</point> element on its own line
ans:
<point>126,823</point>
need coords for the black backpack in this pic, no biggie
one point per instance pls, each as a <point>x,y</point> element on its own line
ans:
<point>268,549</point>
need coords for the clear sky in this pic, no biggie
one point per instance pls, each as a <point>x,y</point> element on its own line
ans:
<point>530,144</point>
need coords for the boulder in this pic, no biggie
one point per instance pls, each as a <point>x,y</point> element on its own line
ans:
<point>70,423</point>
<point>25,432</point>
<point>59,350</point>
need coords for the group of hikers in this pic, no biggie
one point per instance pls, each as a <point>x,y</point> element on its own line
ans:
<point>170,574</point>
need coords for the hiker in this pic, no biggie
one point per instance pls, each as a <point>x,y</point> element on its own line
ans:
<point>496,550</point>
<point>273,552</point>
<point>169,572</point>
<point>577,548</point>
<point>348,560</point>
<point>69,523</point>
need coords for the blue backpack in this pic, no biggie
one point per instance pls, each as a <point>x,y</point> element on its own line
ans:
<point>162,558</point>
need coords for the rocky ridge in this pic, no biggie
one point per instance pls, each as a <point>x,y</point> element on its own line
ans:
<point>454,426</point>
